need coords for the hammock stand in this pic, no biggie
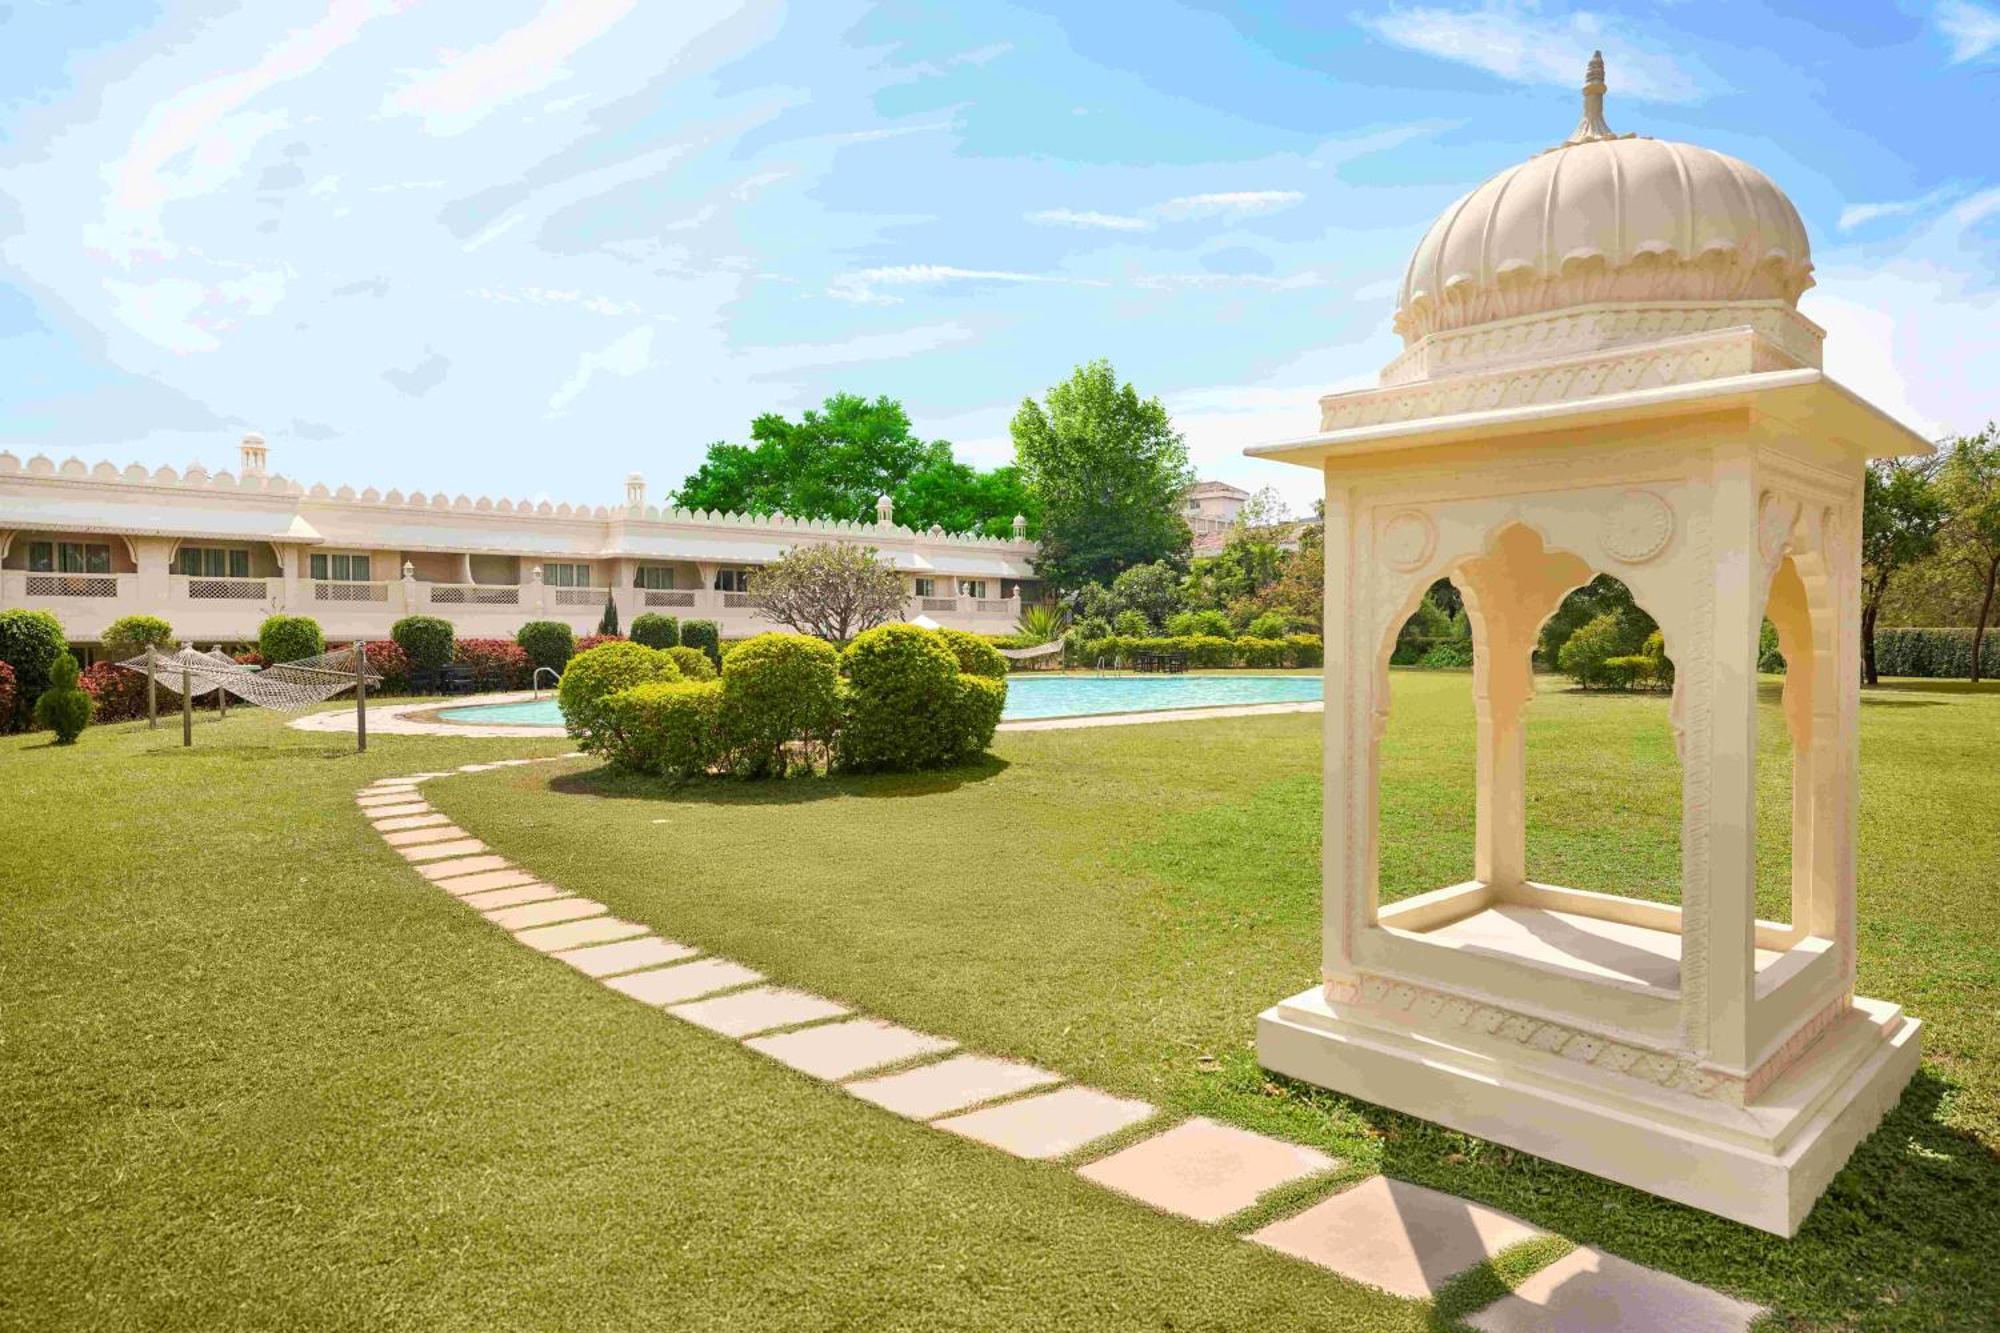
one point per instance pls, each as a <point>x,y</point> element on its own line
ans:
<point>289,687</point>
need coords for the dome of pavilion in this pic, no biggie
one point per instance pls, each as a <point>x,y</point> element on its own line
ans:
<point>1605,219</point>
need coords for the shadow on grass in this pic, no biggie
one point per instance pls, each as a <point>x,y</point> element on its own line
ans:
<point>1907,1234</point>
<point>609,783</point>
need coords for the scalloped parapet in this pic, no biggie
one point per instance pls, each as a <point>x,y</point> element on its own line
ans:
<point>198,478</point>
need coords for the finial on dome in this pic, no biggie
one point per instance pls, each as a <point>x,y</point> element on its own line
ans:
<point>1592,127</point>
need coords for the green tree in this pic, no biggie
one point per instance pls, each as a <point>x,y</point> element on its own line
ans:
<point>838,459</point>
<point>1110,469</point>
<point>1154,591</point>
<point>128,636</point>
<point>1602,596</point>
<point>1969,481</point>
<point>1901,511</point>
<point>832,591</point>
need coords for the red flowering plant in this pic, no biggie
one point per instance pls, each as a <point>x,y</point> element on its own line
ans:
<point>589,641</point>
<point>120,693</point>
<point>499,664</point>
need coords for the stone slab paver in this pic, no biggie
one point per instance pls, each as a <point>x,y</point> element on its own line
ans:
<point>439,850</point>
<point>1403,1238</point>
<point>758,1010</point>
<point>1204,1170</point>
<point>572,934</point>
<point>602,960</point>
<point>1051,1124</point>
<point>545,914</point>
<point>400,808</point>
<point>417,837</point>
<point>671,985</point>
<point>385,795</point>
<point>841,1050</point>
<point>464,865</point>
<point>1588,1291</point>
<point>409,821</point>
<point>515,897</point>
<point>466,885</point>
<point>951,1085</point>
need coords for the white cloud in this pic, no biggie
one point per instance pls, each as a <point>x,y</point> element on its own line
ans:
<point>1516,43</point>
<point>467,86</point>
<point>1238,203</point>
<point>1067,217</point>
<point>1972,29</point>
<point>860,287</point>
<point>626,356</point>
<point>1914,326</point>
<point>1860,215</point>
<point>1288,282</point>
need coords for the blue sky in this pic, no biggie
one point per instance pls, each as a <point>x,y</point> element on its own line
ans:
<point>523,248</point>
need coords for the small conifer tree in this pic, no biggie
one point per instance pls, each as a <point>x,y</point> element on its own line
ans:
<point>63,708</point>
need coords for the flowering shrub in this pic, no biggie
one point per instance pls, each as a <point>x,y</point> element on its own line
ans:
<point>387,659</point>
<point>7,693</point>
<point>589,641</point>
<point>120,694</point>
<point>500,664</point>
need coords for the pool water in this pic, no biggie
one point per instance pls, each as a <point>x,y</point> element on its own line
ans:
<point>1029,697</point>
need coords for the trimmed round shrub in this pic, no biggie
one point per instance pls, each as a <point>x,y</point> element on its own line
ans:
<point>128,636</point>
<point>8,693</point>
<point>656,631</point>
<point>596,674</point>
<point>902,687</point>
<point>427,641</point>
<point>976,656</point>
<point>62,707</point>
<point>1270,625</point>
<point>497,664</point>
<point>704,635</point>
<point>974,714</point>
<point>30,643</point>
<point>669,729</point>
<point>693,662</point>
<point>289,638</point>
<point>780,693</point>
<point>548,643</point>
<point>117,695</point>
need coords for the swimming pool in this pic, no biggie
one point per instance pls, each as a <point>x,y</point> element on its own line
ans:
<point>1027,697</point>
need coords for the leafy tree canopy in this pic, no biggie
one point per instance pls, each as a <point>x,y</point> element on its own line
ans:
<point>835,460</point>
<point>1109,468</point>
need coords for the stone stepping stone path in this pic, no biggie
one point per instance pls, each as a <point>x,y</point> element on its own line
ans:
<point>1389,1234</point>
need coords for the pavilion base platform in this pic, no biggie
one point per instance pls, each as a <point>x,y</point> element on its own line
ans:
<point>1763,1164</point>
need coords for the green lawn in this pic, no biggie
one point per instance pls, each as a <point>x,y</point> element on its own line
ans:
<point>255,1074</point>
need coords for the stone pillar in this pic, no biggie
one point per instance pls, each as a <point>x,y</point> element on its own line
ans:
<point>538,593</point>
<point>1348,769</point>
<point>1717,962</point>
<point>153,556</point>
<point>408,587</point>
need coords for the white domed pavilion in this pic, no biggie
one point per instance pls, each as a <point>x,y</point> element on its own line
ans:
<point>1605,371</point>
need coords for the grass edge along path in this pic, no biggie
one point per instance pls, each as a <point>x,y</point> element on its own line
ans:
<point>1051,1118</point>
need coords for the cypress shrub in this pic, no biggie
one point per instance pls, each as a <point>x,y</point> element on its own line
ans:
<point>607,625</point>
<point>427,641</point>
<point>62,707</point>
<point>704,635</point>
<point>548,643</point>
<point>30,643</point>
<point>656,631</point>
<point>289,638</point>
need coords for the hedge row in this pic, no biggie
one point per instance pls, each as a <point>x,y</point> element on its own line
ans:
<point>899,698</point>
<point>1203,650</point>
<point>1945,653</point>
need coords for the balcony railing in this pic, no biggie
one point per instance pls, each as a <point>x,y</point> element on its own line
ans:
<point>474,594</point>
<point>669,596</point>
<point>576,596</point>
<point>940,603</point>
<point>195,588</point>
<point>324,590</point>
<point>72,585</point>
<point>735,600</point>
<point>995,604</point>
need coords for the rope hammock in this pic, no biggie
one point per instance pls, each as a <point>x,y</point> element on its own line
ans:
<point>289,687</point>
<point>1040,650</point>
